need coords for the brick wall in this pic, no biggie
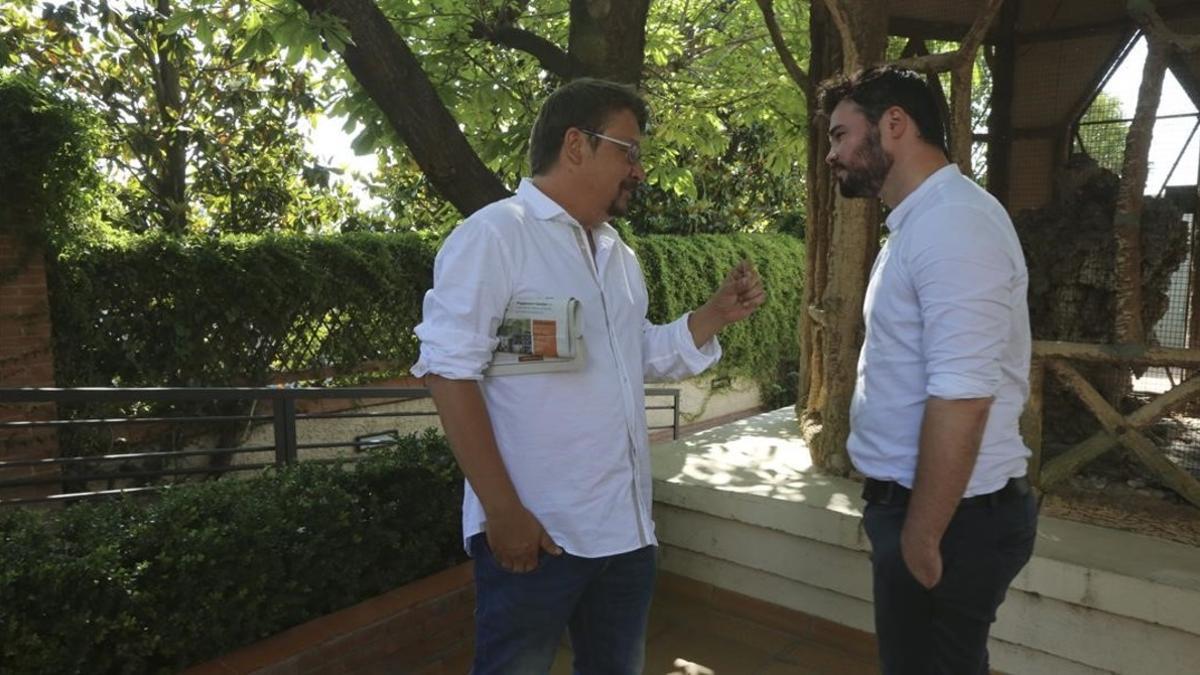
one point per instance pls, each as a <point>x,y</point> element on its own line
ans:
<point>424,627</point>
<point>26,360</point>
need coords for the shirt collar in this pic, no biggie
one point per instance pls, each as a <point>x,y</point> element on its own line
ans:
<point>896,218</point>
<point>543,207</point>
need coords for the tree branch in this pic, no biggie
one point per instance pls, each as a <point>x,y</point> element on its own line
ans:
<point>842,21</point>
<point>965,54</point>
<point>785,55</point>
<point>552,57</point>
<point>1152,24</point>
<point>390,73</point>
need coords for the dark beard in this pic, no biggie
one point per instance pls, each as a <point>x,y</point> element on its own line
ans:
<point>615,209</point>
<point>873,166</point>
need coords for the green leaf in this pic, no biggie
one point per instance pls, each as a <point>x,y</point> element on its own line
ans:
<point>175,22</point>
<point>204,31</point>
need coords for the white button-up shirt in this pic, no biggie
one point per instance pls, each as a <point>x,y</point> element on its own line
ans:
<point>946,316</point>
<point>575,443</point>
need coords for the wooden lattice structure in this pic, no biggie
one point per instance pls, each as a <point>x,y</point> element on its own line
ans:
<point>1048,60</point>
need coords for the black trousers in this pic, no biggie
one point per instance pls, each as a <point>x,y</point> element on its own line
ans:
<point>944,630</point>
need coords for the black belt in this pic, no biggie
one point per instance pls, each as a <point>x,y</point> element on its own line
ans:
<point>892,493</point>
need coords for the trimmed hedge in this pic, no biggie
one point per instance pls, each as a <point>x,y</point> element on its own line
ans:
<point>162,311</point>
<point>158,311</point>
<point>681,272</point>
<point>155,585</point>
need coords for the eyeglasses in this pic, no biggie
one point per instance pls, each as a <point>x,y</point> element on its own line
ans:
<point>633,151</point>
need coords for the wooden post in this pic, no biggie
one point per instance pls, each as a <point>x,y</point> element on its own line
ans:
<point>823,62</point>
<point>1128,219</point>
<point>1120,429</point>
<point>854,235</point>
<point>999,153</point>
<point>852,244</point>
<point>961,138</point>
<point>1032,417</point>
<point>1193,286</point>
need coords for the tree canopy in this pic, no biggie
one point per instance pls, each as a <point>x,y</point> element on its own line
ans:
<point>203,101</point>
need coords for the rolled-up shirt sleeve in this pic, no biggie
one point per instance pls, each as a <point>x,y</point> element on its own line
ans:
<point>669,351</point>
<point>460,314</point>
<point>965,282</point>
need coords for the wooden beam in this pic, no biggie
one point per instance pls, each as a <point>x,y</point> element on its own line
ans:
<point>950,31</point>
<point>842,20</point>
<point>1094,401</point>
<point>1127,221</point>
<point>1070,462</point>
<point>1000,123</point>
<point>1157,30</point>
<point>1032,417</point>
<point>1134,355</point>
<point>1180,12</point>
<point>960,118</point>
<point>1194,286</point>
<point>1118,427</point>
<point>964,56</point>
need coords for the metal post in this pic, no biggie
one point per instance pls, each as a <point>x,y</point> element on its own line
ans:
<point>675,419</point>
<point>285,430</point>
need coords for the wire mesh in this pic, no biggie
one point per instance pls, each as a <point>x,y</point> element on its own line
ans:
<point>1173,174</point>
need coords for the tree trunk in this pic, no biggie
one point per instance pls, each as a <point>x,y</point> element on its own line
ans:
<point>172,174</point>
<point>1128,219</point>
<point>961,137</point>
<point>825,60</point>
<point>608,38</point>
<point>853,243</point>
<point>386,68</point>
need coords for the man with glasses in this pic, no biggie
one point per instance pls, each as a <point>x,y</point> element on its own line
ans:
<point>557,506</point>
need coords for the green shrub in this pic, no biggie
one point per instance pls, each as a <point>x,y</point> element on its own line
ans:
<point>681,272</point>
<point>159,311</point>
<point>162,311</point>
<point>153,586</point>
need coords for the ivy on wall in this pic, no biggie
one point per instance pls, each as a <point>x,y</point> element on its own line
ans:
<point>48,148</point>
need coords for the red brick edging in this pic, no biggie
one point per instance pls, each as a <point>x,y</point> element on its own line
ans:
<point>411,627</point>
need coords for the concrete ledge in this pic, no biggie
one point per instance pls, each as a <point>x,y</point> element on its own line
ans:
<point>741,507</point>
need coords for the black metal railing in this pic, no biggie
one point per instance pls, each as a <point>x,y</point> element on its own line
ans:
<point>70,475</point>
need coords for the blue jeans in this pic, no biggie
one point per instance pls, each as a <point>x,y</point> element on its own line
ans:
<point>944,630</point>
<point>603,602</point>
